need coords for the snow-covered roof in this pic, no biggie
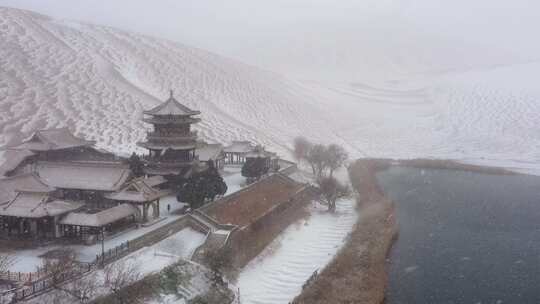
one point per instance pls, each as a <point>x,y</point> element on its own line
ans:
<point>153,181</point>
<point>141,190</point>
<point>239,147</point>
<point>21,183</point>
<point>52,139</point>
<point>172,107</point>
<point>101,218</point>
<point>208,152</point>
<point>37,205</point>
<point>167,145</point>
<point>12,159</point>
<point>184,171</point>
<point>260,152</point>
<point>84,176</point>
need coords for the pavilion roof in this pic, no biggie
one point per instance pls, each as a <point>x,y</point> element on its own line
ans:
<point>84,176</point>
<point>171,107</point>
<point>141,189</point>
<point>260,152</point>
<point>101,218</point>
<point>29,182</point>
<point>208,152</point>
<point>52,139</point>
<point>12,159</point>
<point>37,205</point>
<point>239,147</point>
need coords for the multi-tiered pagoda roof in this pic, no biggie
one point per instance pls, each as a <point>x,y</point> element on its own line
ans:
<point>171,143</point>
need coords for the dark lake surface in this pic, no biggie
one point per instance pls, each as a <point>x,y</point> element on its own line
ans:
<point>464,237</point>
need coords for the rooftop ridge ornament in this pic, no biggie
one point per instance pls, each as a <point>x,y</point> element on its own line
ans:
<point>171,93</point>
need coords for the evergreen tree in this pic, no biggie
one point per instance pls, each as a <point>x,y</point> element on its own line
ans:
<point>200,187</point>
<point>254,168</point>
<point>136,165</point>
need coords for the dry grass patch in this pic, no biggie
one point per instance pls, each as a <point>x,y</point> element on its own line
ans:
<point>358,274</point>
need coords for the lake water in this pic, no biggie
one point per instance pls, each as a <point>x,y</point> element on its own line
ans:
<point>464,237</point>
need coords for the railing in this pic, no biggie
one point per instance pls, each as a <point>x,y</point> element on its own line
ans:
<point>167,135</point>
<point>112,254</point>
<point>49,282</point>
<point>23,277</point>
<point>171,119</point>
<point>46,282</point>
<point>169,161</point>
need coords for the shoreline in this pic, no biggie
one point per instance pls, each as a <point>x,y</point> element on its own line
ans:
<point>358,273</point>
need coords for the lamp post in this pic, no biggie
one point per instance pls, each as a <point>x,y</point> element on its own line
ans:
<point>102,246</point>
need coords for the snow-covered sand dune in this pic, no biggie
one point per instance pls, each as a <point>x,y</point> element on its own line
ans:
<point>97,80</point>
<point>276,276</point>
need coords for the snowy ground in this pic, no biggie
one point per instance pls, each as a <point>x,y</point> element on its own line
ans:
<point>276,276</point>
<point>233,178</point>
<point>156,257</point>
<point>147,260</point>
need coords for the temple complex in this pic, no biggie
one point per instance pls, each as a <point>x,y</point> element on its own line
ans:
<point>58,185</point>
<point>171,143</point>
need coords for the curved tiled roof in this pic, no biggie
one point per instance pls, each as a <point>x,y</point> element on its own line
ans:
<point>239,147</point>
<point>28,182</point>
<point>207,152</point>
<point>141,190</point>
<point>101,218</point>
<point>52,139</point>
<point>83,176</point>
<point>172,107</point>
<point>37,205</point>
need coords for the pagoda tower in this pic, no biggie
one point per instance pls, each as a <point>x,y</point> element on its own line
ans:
<point>171,143</point>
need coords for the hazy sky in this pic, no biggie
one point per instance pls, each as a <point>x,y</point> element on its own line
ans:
<point>303,35</point>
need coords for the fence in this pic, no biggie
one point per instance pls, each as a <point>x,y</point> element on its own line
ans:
<point>23,277</point>
<point>112,254</point>
<point>48,282</point>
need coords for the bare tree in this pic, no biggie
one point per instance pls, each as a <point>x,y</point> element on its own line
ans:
<point>79,290</point>
<point>219,261</point>
<point>60,266</point>
<point>316,158</point>
<point>322,159</point>
<point>331,190</point>
<point>302,146</point>
<point>335,157</point>
<point>6,261</point>
<point>119,276</point>
<point>67,278</point>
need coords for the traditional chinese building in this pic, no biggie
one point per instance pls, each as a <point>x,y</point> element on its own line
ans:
<point>211,153</point>
<point>171,143</point>
<point>235,153</point>
<point>30,207</point>
<point>270,158</point>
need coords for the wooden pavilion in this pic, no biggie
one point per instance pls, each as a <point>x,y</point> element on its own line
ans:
<point>143,192</point>
<point>235,153</point>
<point>88,226</point>
<point>211,153</point>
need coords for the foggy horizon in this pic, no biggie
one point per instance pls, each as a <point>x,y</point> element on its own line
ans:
<point>326,39</point>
